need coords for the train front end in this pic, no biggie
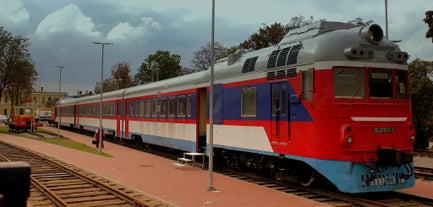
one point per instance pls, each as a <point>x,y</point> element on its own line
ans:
<point>360,103</point>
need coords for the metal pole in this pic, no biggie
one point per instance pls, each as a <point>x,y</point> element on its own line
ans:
<point>60,97</point>
<point>210,185</point>
<point>386,18</point>
<point>101,130</point>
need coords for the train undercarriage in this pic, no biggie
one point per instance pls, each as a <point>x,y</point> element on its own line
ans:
<point>275,167</point>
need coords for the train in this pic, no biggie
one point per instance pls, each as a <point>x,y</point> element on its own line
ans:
<point>331,100</point>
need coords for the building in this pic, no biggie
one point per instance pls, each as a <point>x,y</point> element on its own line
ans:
<point>38,99</point>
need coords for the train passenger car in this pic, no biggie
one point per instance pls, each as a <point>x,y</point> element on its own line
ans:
<point>330,100</point>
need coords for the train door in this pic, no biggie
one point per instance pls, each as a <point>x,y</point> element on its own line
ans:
<point>201,119</point>
<point>120,116</point>
<point>280,123</point>
<point>76,116</point>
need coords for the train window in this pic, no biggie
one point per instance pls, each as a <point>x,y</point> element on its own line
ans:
<point>283,100</point>
<point>147,108</point>
<point>132,109</point>
<point>181,106</point>
<point>401,84</point>
<point>155,108</point>
<point>349,83</point>
<point>248,102</point>
<point>380,84</point>
<point>171,107</point>
<point>189,106</point>
<point>163,108</point>
<point>307,85</point>
<point>141,109</point>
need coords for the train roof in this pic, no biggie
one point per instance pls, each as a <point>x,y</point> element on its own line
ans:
<point>300,49</point>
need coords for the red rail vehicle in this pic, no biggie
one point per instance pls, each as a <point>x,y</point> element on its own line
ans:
<point>23,119</point>
<point>331,100</point>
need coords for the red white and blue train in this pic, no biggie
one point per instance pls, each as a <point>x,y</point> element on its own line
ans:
<point>330,100</point>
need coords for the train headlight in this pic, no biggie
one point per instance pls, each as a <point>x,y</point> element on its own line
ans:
<point>373,33</point>
<point>346,138</point>
<point>412,137</point>
<point>349,139</point>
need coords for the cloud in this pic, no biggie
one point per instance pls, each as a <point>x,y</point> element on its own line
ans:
<point>125,31</point>
<point>13,14</point>
<point>67,20</point>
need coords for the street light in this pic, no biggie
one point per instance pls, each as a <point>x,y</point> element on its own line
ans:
<point>60,97</point>
<point>101,90</point>
<point>212,54</point>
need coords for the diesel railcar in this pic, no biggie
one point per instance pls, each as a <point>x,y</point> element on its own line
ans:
<point>331,100</point>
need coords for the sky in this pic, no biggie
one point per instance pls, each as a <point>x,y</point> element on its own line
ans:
<point>61,32</point>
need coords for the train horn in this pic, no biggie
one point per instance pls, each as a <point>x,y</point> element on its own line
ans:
<point>373,33</point>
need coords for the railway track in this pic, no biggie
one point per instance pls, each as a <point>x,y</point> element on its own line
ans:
<point>333,197</point>
<point>424,173</point>
<point>55,183</point>
<point>423,153</point>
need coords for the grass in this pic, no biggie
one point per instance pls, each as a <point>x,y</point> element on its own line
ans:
<point>64,142</point>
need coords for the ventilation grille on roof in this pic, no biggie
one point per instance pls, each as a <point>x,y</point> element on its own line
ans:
<point>281,74</point>
<point>273,58</point>
<point>286,56</point>
<point>249,64</point>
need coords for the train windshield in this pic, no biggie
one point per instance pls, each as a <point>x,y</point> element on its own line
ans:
<point>349,83</point>
<point>375,84</point>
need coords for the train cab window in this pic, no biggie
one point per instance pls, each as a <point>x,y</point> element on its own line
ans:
<point>380,84</point>
<point>349,83</point>
<point>401,84</point>
<point>307,85</point>
<point>181,106</point>
<point>248,102</point>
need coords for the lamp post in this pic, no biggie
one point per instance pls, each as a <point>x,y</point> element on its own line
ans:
<point>212,54</point>
<point>101,130</point>
<point>60,97</point>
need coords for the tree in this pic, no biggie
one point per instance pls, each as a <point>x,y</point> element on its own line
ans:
<point>120,78</point>
<point>202,58</point>
<point>265,37</point>
<point>159,66</point>
<point>298,21</point>
<point>17,72</point>
<point>21,86</point>
<point>121,75</point>
<point>421,85</point>
<point>271,35</point>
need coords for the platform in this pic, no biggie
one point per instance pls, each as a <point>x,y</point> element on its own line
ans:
<point>158,176</point>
